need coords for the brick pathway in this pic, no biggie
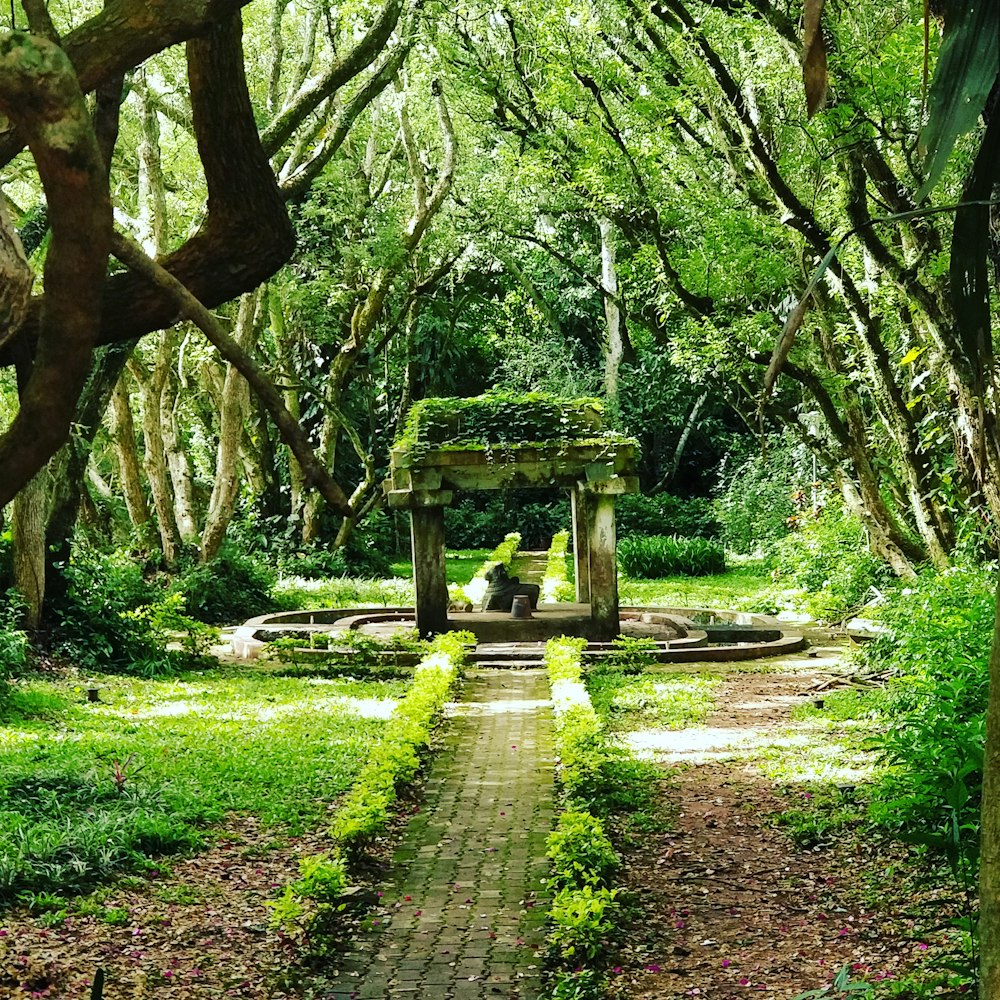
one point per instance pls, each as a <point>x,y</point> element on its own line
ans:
<point>463,910</point>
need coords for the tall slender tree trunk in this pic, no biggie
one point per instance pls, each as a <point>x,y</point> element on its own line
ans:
<point>235,400</point>
<point>615,344</point>
<point>154,452</point>
<point>178,463</point>
<point>29,517</point>
<point>129,474</point>
<point>286,360</point>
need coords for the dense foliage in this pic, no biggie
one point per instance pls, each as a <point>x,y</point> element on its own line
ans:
<point>658,556</point>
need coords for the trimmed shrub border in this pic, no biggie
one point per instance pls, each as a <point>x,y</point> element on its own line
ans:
<point>555,585</point>
<point>366,810</point>
<point>581,855</point>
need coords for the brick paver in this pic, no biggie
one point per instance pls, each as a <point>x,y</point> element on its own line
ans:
<point>463,912</point>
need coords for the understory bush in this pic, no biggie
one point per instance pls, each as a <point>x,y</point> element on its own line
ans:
<point>828,557</point>
<point>663,514</point>
<point>112,618</point>
<point>656,556</point>
<point>96,626</point>
<point>937,651</point>
<point>13,644</point>
<point>754,504</point>
<point>227,590</point>
<point>366,553</point>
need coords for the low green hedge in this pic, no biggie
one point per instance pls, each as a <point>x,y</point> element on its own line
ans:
<point>583,912</point>
<point>555,585</point>
<point>366,809</point>
<point>654,556</point>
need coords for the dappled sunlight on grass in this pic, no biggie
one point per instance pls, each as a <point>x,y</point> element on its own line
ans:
<point>745,588</point>
<point>663,700</point>
<point>805,753</point>
<point>94,786</point>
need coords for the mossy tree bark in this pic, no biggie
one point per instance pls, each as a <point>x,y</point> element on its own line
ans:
<point>40,94</point>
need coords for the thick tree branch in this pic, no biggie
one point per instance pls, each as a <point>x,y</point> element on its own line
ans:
<point>188,307</point>
<point>40,94</point>
<point>125,34</point>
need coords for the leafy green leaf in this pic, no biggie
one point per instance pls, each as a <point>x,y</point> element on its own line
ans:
<point>966,71</point>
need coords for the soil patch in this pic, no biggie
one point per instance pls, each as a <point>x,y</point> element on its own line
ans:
<point>725,902</point>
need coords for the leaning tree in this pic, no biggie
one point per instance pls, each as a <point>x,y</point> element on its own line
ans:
<point>244,235</point>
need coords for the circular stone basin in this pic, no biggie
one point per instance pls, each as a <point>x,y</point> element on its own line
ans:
<point>681,634</point>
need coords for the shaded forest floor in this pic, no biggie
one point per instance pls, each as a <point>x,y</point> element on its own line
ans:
<point>764,879</point>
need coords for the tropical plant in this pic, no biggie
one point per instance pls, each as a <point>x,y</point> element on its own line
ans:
<point>659,556</point>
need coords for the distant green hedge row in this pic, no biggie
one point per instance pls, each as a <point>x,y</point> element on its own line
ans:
<point>659,556</point>
<point>555,585</point>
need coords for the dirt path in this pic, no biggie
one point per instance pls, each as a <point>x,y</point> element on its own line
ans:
<point>726,902</point>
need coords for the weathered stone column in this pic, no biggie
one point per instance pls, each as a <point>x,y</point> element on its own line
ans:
<point>603,566</point>
<point>581,544</point>
<point>429,577</point>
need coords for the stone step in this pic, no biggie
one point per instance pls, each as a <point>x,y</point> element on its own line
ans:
<point>509,664</point>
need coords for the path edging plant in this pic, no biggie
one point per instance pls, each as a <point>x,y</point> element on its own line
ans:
<point>366,810</point>
<point>582,859</point>
<point>555,584</point>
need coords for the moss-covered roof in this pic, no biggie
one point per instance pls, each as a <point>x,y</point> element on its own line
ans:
<point>499,420</point>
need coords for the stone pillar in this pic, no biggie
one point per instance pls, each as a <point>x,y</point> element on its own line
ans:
<point>603,567</point>
<point>579,503</point>
<point>429,577</point>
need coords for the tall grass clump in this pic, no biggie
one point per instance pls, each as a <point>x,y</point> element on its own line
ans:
<point>655,556</point>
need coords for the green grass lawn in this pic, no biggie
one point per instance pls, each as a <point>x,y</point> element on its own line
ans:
<point>657,700</point>
<point>89,789</point>
<point>742,588</point>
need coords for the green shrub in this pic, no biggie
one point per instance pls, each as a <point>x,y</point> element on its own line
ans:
<point>579,851</point>
<point>582,921</point>
<point>96,625</point>
<point>228,590</point>
<point>937,648</point>
<point>663,514</point>
<point>755,504</point>
<point>828,557</point>
<point>576,984</point>
<point>13,644</point>
<point>365,811</point>
<point>659,556</point>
